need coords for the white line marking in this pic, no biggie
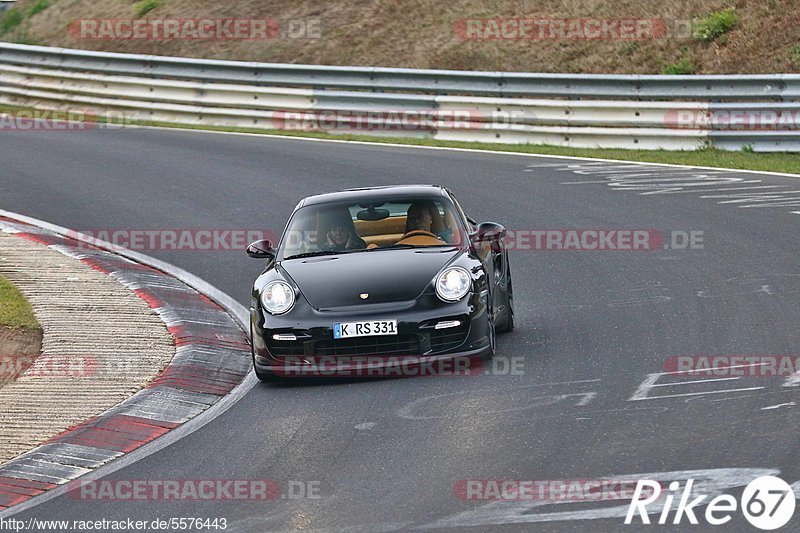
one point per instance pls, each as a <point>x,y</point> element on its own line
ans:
<point>650,383</point>
<point>697,393</point>
<point>587,397</point>
<point>582,182</point>
<point>407,411</point>
<point>692,382</point>
<point>792,380</point>
<point>641,392</point>
<point>787,404</point>
<point>687,191</point>
<point>492,514</point>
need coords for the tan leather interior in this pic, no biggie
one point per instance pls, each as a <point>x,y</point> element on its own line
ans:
<point>381,227</point>
<point>381,232</point>
<point>391,230</point>
<point>383,240</point>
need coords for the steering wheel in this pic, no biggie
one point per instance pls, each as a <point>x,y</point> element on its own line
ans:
<point>421,236</point>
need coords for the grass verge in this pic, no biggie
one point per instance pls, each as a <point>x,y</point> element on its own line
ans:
<point>15,311</point>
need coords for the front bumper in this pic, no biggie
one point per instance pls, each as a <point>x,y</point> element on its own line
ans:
<point>417,348</point>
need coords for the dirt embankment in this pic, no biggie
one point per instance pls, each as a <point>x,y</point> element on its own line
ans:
<point>19,348</point>
<point>591,36</point>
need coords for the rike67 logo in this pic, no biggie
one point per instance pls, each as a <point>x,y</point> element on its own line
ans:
<point>767,502</point>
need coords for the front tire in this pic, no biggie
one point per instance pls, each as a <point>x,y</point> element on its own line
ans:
<point>265,378</point>
<point>492,334</point>
<point>507,323</point>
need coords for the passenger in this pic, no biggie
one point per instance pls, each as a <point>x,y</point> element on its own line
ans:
<point>340,234</point>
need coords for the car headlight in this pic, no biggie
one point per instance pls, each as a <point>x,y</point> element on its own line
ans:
<point>453,284</point>
<point>277,297</point>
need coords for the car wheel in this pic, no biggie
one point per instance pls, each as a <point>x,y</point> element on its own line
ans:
<point>507,324</point>
<point>492,335</point>
<point>266,378</point>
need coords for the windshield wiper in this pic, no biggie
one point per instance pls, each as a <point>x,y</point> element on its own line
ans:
<point>402,246</point>
<point>317,253</point>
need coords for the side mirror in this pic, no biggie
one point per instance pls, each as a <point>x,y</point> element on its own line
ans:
<point>492,233</point>
<point>489,232</point>
<point>261,250</point>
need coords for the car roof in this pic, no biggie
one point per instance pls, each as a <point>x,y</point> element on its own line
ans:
<point>393,191</point>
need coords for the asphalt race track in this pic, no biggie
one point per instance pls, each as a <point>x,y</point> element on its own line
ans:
<point>594,330</point>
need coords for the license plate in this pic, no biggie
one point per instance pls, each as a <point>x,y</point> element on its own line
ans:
<point>344,330</point>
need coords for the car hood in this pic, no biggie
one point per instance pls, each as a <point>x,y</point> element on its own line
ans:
<point>385,275</point>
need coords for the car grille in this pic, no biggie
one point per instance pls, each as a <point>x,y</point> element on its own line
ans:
<point>285,348</point>
<point>431,342</point>
<point>378,345</point>
<point>448,339</point>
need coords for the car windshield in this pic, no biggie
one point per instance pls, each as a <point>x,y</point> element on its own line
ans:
<point>370,225</point>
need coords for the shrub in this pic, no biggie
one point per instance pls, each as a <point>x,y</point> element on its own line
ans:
<point>146,6</point>
<point>683,66</point>
<point>38,7</point>
<point>10,20</point>
<point>714,25</point>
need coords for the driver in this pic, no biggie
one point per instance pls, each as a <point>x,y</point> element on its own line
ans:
<point>419,217</point>
<point>419,225</point>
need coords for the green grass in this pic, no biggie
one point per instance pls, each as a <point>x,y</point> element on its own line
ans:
<point>25,39</point>
<point>706,157</point>
<point>629,48</point>
<point>146,6</point>
<point>682,66</point>
<point>38,7</point>
<point>10,20</point>
<point>714,25</point>
<point>15,311</point>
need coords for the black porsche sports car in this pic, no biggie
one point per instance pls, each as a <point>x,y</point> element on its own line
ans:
<point>366,279</point>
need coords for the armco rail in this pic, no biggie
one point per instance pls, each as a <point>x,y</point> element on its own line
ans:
<point>614,111</point>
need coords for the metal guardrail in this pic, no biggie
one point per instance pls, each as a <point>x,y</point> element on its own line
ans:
<point>621,111</point>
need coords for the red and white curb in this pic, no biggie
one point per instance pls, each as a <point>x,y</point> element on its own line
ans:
<point>212,357</point>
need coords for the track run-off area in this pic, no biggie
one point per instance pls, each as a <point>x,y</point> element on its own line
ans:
<point>583,389</point>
